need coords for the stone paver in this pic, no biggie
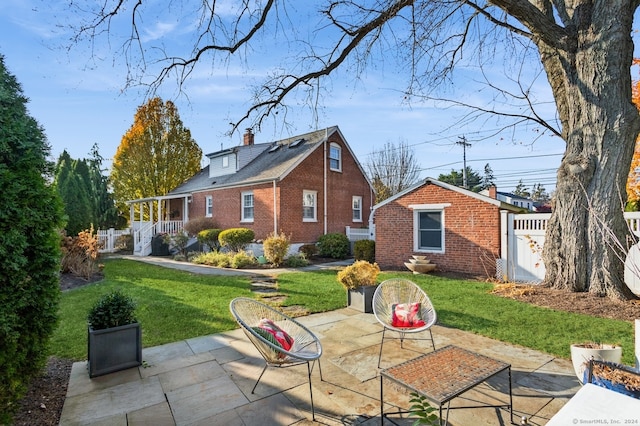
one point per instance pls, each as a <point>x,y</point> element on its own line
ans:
<point>208,380</point>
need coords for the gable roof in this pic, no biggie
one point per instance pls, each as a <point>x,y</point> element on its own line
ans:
<point>269,162</point>
<point>484,198</point>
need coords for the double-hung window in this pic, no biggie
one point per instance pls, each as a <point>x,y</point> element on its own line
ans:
<point>309,206</point>
<point>208,209</point>
<point>247,206</point>
<point>428,227</point>
<point>335,157</point>
<point>356,208</point>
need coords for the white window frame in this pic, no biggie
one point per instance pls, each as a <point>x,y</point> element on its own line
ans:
<point>428,208</point>
<point>245,206</point>
<point>208,206</point>
<point>225,161</point>
<point>335,148</point>
<point>310,196</point>
<point>356,207</point>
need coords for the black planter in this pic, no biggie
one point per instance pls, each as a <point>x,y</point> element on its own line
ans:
<point>360,298</point>
<point>114,349</point>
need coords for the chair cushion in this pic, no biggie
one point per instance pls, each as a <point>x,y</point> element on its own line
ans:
<point>406,315</point>
<point>280,336</point>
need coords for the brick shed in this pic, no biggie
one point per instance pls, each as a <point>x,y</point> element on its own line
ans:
<point>457,229</point>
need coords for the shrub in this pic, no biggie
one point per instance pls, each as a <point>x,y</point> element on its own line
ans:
<point>30,218</point>
<point>80,254</point>
<point>125,243</point>
<point>334,245</point>
<point>210,238</point>
<point>179,241</point>
<point>214,258</point>
<point>236,239</point>
<point>276,247</point>
<point>360,273</point>
<point>365,250</point>
<point>296,261</point>
<point>308,250</point>
<point>112,310</point>
<point>195,226</point>
<point>242,259</point>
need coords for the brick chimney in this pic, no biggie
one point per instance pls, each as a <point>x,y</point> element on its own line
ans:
<point>248,137</point>
<point>493,192</point>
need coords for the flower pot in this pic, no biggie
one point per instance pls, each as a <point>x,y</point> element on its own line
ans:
<point>582,353</point>
<point>361,298</point>
<point>609,384</point>
<point>114,349</point>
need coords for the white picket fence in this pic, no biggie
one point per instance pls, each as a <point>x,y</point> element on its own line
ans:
<point>107,238</point>
<point>522,242</point>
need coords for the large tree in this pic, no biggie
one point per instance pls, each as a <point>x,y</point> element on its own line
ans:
<point>583,46</point>
<point>392,169</point>
<point>156,154</point>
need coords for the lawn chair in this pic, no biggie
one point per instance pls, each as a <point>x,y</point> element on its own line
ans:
<point>281,340</point>
<point>400,305</point>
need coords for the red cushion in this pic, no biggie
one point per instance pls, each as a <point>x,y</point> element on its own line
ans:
<point>406,315</point>
<point>279,334</point>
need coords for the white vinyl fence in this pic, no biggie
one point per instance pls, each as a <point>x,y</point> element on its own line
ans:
<point>522,242</point>
<point>107,238</point>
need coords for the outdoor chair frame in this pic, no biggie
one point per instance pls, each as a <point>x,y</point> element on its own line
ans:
<point>396,291</point>
<point>306,347</point>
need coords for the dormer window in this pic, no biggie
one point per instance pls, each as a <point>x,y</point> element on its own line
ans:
<point>225,161</point>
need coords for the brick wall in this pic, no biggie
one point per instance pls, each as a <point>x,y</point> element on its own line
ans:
<point>341,187</point>
<point>472,232</point>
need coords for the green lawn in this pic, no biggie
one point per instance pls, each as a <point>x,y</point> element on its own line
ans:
<point>175,305</point>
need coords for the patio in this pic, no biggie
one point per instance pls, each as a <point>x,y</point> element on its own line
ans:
<point>208,380</point>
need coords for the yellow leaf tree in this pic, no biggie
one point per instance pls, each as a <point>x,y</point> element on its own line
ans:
<point>155,155</point>
<point>633,182</point>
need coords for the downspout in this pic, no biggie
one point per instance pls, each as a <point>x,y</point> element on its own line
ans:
<point>325,180</point>
<point>275,212</point>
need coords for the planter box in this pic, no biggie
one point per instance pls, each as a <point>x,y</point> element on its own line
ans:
<point>360,298</point>
<point>114,349</point>
<point>581,355</point>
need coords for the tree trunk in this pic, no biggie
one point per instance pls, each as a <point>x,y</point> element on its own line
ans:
<point>587,236</point>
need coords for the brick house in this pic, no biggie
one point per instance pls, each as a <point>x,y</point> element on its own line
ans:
<point>304,186</point>
<point>457,229</point>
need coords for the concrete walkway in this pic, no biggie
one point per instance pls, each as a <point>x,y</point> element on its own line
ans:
<point>208,380</point>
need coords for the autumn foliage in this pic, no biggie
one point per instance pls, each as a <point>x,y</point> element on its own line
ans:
<point>633,182</point>
<point>155,155</point>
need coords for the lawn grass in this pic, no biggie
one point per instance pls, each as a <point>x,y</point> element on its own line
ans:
<point>175,305</point>
<point>172,305</point>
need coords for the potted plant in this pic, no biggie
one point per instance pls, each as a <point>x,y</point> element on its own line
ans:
<point>360,281</point>
<point>582,353</point>
<point>617,377</point>
<point>114,335</point>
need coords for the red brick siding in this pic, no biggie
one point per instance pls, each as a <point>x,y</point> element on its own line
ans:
<point>341,187</point>
<point>472,232</point>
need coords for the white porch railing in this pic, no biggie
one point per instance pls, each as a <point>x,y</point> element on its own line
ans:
<point>143,236</point>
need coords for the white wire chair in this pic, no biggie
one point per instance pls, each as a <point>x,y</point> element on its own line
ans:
<point>402,291</point>
<point>306,346</point>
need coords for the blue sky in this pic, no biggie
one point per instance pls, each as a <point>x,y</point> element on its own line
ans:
<point>78,99</point>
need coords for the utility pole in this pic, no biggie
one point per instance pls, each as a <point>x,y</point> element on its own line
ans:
<point>465,144</point>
